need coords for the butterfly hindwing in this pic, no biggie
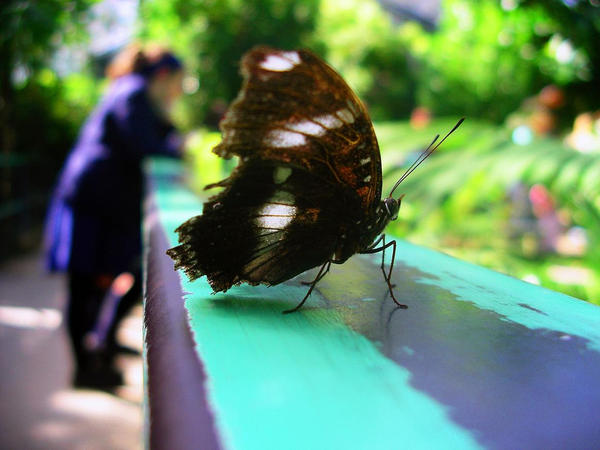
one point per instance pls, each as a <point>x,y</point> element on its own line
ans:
<point>295,109</point>
<point>271,222</point>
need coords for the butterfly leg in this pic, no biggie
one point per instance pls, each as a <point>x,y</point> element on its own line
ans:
<point>383,247</point>
<point>387,276</point>
<point>322,272</point>
<point>319,278</point>
<point>379,239</point>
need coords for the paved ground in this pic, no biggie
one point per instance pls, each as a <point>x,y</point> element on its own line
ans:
<point>38,409</point>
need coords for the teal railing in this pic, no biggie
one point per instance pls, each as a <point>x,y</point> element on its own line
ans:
<point>479,359</point>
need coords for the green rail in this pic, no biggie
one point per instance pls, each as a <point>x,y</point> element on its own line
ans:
<point>478,360</point>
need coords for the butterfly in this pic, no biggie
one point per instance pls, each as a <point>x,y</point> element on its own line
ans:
<point>307,189</point>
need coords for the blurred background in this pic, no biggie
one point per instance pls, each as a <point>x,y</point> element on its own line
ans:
<point>516,188</point>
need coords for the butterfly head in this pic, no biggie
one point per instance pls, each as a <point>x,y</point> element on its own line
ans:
<point>391,206</point>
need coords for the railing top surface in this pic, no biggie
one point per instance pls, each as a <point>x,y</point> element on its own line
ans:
<point>477,359</point>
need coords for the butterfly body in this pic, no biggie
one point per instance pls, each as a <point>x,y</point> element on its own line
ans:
<point>307,189</point>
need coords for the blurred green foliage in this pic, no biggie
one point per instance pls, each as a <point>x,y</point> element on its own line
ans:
<point>213,35</point>
<point>40,112</point>
<point>483,59</point>
<point>459,201</point>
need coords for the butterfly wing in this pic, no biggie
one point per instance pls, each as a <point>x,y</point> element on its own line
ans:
<point>271,222</point>
<point>295,109</point>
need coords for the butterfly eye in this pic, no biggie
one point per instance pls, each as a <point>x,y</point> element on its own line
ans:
<point>391,207</point>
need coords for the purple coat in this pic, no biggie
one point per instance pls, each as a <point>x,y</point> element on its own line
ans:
<point>94,219</point>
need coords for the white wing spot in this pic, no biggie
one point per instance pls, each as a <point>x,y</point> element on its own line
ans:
<point>275,215</point>
<point>283,138</point>
<point>307,127</point>
<point>367,178</point>
<point>280,62</point>
<point>364,161</point>
<point>281,174</point>
<point>345,115</point>
<point>352,107</point>
<point>329,121</point>
<point>292,56</point>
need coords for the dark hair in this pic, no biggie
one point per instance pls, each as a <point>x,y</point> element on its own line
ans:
<point>146,61</point>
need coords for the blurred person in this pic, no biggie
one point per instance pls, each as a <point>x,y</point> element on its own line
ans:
<point>522,219</point>
<point>93,228</point>
<point>538,114</point>
<point>420,117</point>
<point>548,221</point>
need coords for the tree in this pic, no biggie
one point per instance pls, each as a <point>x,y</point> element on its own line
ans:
<point>213,35</point>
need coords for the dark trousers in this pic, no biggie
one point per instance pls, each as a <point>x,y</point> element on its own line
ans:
<point>86,295</point>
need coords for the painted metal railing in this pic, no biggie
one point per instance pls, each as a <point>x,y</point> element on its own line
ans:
<point>479,359</point>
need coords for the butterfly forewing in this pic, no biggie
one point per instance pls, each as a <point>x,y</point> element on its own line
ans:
<point>295,109</point>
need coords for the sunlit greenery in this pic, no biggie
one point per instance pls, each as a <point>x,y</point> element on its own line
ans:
<point>460,200</point>
<point>483,59</point>
<point>41,112</point>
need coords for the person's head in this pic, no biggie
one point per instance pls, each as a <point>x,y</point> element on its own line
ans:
<point>162,69</point>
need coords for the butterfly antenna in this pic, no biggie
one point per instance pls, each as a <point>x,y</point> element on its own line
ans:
<point>425,154</point>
